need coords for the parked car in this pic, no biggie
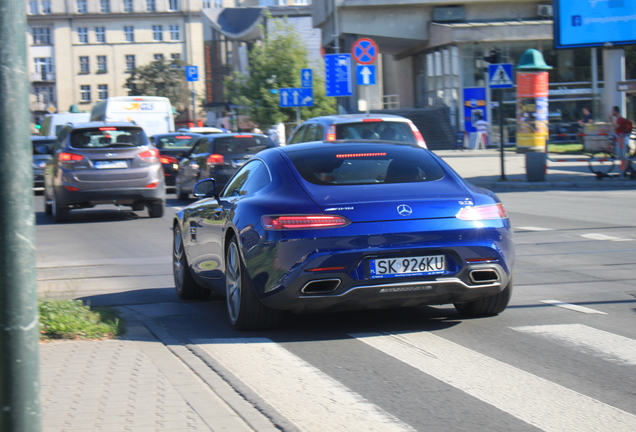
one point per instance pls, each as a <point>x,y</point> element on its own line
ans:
<point>339,226</point>
<point>103,163</point>
<point>173,147</point>
<point>204,130</point>
<point>42,146</point>
<point>377,127</point>
<point>218,156</point>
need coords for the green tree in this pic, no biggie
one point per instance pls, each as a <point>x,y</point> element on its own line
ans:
<point>274,64</point>
<point>158,78</point>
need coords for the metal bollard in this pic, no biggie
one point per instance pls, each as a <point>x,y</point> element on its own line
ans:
<point>536,166</point>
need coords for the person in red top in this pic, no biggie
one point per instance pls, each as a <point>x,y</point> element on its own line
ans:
<point>622,126</point>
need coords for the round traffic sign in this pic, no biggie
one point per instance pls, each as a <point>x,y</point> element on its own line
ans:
<point>365,51</point>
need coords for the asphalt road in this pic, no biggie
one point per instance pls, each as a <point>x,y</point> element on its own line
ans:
<point>561,357</point>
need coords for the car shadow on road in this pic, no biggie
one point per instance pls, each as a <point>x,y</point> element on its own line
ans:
<point>91,216</point>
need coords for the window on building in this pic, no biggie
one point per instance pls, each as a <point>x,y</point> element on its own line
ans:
<point>102,65</point>
<point>301,2</point>
<point>84,65</point>
<point>282,2</point>
<point>130,62</point>
<point>41,36</point>
<point>100,34</point>
<point>175,57</point>
<point>157,33</point>
<point>102,91</point>
<point>173,5</point>
<point>129,33</point>
<point>82,6</point>
<point>43,68</point>
<point>33,7</point>
<point>174,32</point>
<point>158,56</point>
<point>151,6</point>
<point>205,4</point>
<point>104,6</point>
<point>45,94</point>
<point>82,33</point>
<point>46,7</point>
<point>128,6</point>
<point>85,93</point>
<point>218,3</point>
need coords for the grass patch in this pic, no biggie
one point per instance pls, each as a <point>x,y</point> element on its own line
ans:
<point>572,148</point>
<point>71,319</point>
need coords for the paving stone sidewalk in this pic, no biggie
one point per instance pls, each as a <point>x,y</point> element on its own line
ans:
<point>136,384</point>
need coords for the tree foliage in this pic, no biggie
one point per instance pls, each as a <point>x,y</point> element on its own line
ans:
<point>159,78</point>
<point>276,64</point>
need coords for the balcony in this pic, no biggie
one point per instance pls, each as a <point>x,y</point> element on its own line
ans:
<point>43,77</point>
<point>35,106</point>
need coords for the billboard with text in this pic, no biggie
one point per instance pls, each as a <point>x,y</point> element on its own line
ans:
<point>585,23</point>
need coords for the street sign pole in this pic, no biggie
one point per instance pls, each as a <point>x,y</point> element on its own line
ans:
<point>499,78</point>
<point>19,327</point>
<point>501,136</point>
<point>366,96</point>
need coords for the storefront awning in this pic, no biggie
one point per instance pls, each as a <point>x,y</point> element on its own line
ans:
<point>240,24</point>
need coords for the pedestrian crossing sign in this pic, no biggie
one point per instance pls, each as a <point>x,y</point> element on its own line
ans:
<point>500,76</point>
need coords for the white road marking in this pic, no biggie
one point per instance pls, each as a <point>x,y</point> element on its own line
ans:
<point>573,307</point>
<point>531,228</point>
<point>597,236</point>
<point>608,346</point>
<point>307,397</point>
<point>532,399</point>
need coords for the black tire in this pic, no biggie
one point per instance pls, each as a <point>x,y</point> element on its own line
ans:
<point>487,306</point>
<point>184,283</point>
<point>48,207</point>
<point>244,308</point>
<point>155,209</point>
<point>181,196</point>
<point>59,213</point>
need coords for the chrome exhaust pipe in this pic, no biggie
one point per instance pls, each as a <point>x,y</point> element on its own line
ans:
<point>483,276</point>
<point>321,286</point>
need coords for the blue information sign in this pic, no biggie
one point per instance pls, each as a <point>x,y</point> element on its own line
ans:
<point>500,76</point>
<point>338,75</point>
<point>192,73</point>
<point>296,97</point>
<point>365,74</point>
<point>306,78</point>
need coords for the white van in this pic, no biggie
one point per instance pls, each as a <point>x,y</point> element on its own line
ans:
<point>152,113</point>
<point>53,123</point>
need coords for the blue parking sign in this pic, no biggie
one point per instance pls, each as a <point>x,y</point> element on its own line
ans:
<point>192,73</point>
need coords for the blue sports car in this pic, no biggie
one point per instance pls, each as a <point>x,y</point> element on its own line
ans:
<point>339,226</point>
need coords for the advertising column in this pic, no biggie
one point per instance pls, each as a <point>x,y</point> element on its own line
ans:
<point>532,102</point>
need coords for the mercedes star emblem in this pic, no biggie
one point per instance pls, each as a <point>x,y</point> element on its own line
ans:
<point>404,210</point>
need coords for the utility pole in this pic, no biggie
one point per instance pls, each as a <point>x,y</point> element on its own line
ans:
<point>19,325</point>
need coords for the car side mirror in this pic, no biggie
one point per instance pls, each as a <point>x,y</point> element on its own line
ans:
<point>205,189</point>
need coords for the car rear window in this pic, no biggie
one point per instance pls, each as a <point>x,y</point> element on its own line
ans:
<point>176,142</point>
<point>344,165</point>
<point>38,143</point>
<point>376,130</point>
<point>247,144</point>
<point>108,137</point>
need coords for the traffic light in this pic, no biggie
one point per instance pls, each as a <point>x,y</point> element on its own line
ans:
<point>38,123</point>
<point>495,56</point>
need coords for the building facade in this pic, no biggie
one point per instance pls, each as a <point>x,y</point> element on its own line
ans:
<point>81,51</point>
<point>432,52</point>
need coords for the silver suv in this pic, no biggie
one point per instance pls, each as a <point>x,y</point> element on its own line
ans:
<point>103,163</point>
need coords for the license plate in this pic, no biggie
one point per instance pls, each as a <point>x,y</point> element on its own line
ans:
<point>407,266</point>
<point>108,164</point>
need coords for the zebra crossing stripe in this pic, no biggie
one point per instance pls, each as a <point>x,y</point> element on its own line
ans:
<point>573,307</point>
<point>609,346</point>
<point>532,399</point>
<point>307,397</point>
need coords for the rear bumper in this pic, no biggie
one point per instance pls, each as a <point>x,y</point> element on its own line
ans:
<point>374,294</point>
<point>109,196</point>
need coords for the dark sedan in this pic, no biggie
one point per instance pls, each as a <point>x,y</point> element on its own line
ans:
<point>42,147</point>
<point>172,148</point>
<point>218,156</point>
<point>338,226</point>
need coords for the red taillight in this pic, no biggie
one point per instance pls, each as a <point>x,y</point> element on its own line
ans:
<point>418,136</point>
<point>331,133</point>
<point>476,260</point>
<point>69,157</point>
<point>367,120</point>
<point>324,269</point>
<point>303,222</point>
<point>168,160</point>
<point>71,188</point>
<point>150,155</point>
<point>216,159</point>
<point>485,212</point>
<point>107,128</point>
<point>183,137</point>
<point>355,155</point>
<point>243,136</point>
<point>152,185</point>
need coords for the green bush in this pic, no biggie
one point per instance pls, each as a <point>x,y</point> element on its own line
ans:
<point>71,319</point>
